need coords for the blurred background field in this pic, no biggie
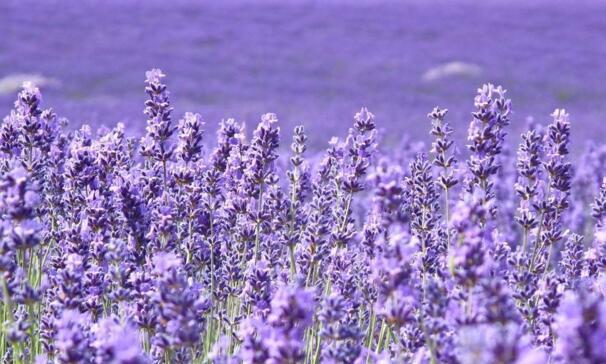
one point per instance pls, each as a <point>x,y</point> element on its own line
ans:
<point>311,62</point>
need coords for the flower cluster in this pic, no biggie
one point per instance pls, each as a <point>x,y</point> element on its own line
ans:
<point>175,249</point>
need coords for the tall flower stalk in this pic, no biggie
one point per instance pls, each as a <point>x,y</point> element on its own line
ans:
<point>557,190</point>
<point>443,158</point>
<point>528,184</point>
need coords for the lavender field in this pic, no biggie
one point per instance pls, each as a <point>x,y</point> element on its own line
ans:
<point>310,62</point>
<point>302,182</point>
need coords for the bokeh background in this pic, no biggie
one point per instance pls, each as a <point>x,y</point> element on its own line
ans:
<point>311,62</point>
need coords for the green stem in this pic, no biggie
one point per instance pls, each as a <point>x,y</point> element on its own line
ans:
<point>293,264</point>
<point>447,217</point>
<point>381,336</point>
<point>258,224</point>
<point>524,240</point>
<point>373,319</point>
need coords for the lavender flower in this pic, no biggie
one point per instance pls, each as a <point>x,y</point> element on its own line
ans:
<point>179,307</point>
<point>190,137</point>
<point>556,200</point>
<point>581,328</point>
<point>423,208</point>
<point>116,343</point>
<point>73,338</point>
<point>443,158</point>
<point>155,144</point>
<point>497,344</point>
<point>528,165</point>
<point>486,135</point>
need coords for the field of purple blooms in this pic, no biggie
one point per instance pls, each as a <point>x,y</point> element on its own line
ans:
<point>178,248</point>
<point>310,61</point>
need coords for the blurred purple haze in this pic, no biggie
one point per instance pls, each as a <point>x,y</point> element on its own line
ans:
<point>313,63</point>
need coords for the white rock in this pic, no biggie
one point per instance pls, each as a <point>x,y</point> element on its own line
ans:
<point>12,83</point>
<point>452,69</point>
